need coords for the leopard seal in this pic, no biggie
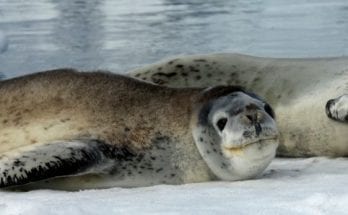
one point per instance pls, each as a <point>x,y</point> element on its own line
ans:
<point>306,94</point>
<point>71,130</point>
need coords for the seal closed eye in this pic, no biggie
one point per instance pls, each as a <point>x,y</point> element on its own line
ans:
<point>64,129</point>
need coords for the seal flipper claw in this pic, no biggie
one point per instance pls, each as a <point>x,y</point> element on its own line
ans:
<point>61,158</point>
<point>337,109</point>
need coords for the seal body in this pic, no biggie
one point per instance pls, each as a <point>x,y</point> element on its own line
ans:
<point>70,130</point>
<point>298,89</point>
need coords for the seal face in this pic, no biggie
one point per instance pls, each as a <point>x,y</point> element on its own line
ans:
<point>72,130</point>
<point>236,135</point>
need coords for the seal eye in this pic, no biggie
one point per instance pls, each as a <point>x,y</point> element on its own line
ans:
<point>221,123</point>
<point>269,110</point>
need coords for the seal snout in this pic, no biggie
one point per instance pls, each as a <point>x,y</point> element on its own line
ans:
<point>253,117</point>
<point>241,119</point>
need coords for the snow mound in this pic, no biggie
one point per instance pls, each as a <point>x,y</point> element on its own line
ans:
<point>288,186</point>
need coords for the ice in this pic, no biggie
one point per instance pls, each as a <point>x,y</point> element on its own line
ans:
<point>288,186</point>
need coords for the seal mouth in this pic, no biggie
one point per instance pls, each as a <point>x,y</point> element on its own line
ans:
<point>238,149</point>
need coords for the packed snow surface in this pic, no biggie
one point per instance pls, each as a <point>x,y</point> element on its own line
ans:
<point>288,186</point>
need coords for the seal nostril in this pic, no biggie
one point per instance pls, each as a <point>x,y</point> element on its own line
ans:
<point>249,117</point>
<point>252,117</point>
<point>258,129</point>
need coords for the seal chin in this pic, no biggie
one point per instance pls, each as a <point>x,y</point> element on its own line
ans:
<point>258,144</point>
<point>250,159</point>
<point>240,149</point>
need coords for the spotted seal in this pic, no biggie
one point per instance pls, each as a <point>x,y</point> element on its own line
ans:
<point>65,129</point>
<point>300,90</point>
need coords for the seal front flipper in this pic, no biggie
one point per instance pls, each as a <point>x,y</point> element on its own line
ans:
<point>337,109</point>
<point>60,158</point>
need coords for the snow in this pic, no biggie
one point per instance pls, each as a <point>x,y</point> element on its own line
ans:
<point>288,186</point>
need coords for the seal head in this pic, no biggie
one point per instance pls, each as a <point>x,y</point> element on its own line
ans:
<point>235,133</point>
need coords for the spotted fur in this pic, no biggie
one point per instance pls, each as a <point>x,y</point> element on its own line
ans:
<point>61,158</point>
<point>65,129</point>
<point>298,90</point>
